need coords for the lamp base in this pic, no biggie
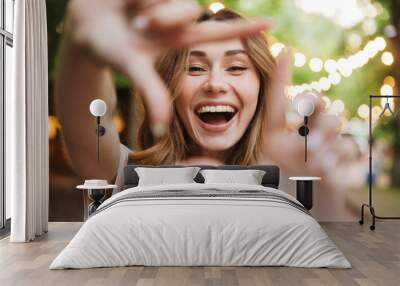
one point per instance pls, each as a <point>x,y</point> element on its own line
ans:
<point>96,195</point>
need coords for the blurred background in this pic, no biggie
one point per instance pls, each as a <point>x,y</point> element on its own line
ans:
<point>346,49</point>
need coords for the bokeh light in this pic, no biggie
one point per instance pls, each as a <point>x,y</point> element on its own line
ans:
<point>216,6</point>
<point>53,126</point>
<point>299,59</point>
<point>387,58</point>
<point>389,80</point>
<point>316,64</point>
<point>363,111</point>
<point>276,49</point>
<point>386,90</point>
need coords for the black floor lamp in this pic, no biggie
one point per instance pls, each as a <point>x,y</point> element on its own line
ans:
<point>370,205</point>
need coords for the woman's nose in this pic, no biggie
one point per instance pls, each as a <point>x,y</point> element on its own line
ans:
<point>215,84</point>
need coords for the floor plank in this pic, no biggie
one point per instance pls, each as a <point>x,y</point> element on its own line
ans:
<point>374,255</point>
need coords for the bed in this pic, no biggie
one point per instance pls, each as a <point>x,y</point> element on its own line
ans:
<point>201,224</point>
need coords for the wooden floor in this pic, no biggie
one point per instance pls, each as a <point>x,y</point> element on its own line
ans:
<point>375,257</point>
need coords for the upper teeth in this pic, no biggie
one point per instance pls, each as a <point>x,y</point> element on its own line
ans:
<point>215,108</point>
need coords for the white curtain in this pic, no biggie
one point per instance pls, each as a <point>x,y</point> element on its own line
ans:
<point>26,124</point>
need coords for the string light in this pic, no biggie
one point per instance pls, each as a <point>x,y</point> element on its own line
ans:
<point>390,31</point>
<point>363,111</point>
<point>337,106</point>
<point>386,90</point>
<point>327,101</point>
<point>369,27</point>
<point>316,86</point>
<point>53,126</point>
<point>387,58</point>
<point>276,49</point>
<point>345,67</point>
<point>335,78</point>
<point>345,13</point>
<point>342,67</point>
<point>338,11</point>
<point>324,83</point>
<point>316,64</point>
<point>389,80</point>
<point>354,40</point>
<point>216,6</point>
<point>381,43</point>
<point>330,66</point>
<point>299,60</point>
<point>371,11</point>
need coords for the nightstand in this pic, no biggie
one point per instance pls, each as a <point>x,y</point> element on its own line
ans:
<point>95,194</point>
<point>304,190</point>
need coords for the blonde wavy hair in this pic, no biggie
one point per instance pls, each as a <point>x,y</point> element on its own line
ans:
<point>177,145</point>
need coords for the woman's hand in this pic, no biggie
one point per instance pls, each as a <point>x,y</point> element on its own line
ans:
<point>128,35</point>
<point>286,148</point>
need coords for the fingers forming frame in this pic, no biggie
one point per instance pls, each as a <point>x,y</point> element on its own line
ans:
<point>276,101</point>
<point>172,15</point>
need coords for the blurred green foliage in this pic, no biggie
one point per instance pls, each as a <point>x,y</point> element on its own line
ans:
<point>313,35</point>
<point>317,36</point>
<point>55,14</point>
<point>384,130</point>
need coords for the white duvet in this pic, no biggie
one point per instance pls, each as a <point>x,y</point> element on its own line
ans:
<point>183,231</point>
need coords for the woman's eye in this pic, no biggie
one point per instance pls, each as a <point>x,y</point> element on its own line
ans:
<point>236,69</point>
<point>194,69</point>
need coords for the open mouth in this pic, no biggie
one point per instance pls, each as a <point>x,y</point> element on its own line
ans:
<point>216,117</point>
<point>216,114</point>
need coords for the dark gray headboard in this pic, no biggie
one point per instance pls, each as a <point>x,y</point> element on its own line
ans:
<point>270,179</point>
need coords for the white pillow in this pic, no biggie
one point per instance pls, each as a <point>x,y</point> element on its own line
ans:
<point>248,177</point>
<point>162,176</point>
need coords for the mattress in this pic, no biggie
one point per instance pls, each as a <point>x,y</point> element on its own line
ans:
<point>201,225</point>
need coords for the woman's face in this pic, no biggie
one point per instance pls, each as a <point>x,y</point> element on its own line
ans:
<point>219,93</point>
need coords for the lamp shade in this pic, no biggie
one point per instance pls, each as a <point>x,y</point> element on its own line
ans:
<point>98,107</point>
<point>305,107</point>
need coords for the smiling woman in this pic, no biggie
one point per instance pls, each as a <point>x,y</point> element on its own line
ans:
<point>207,89</point>
<point>138,35</point>
<point>218,92</point>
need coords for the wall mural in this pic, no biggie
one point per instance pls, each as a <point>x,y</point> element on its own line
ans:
<point>287,92</point>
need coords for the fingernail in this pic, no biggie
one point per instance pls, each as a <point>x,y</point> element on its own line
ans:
<point>140,22</point>
<point>158,130</point>
<point>329,161</point>
<point>315,140</point>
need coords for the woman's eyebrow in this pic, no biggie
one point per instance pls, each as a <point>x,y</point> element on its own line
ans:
<point>198,53</point>
<point>227,53</point>
<point>235,52</point>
